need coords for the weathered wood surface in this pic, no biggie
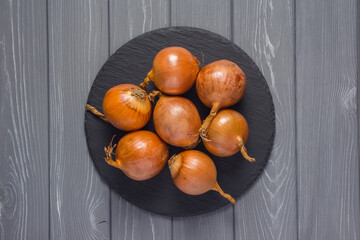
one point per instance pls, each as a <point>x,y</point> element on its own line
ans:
<point>50,53</point>
<point>78,46</point>
<point>265,30</point>
<point>129,19</point>
<point>214,16</point>
<point>327,125</point>
<point>24,183</point>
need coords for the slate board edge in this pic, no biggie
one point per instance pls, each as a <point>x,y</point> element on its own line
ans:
<point>266,88</point>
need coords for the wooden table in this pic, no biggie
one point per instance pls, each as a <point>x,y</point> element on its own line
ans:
<point>50,52</point>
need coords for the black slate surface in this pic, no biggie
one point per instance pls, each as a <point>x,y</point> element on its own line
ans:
<point>130,64</point>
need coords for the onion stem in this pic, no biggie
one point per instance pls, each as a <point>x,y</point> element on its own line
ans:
<point>203,60</point>
<point>217,188</point>
<point>90,108</point>
<point>205,126</point>
<point>244,151</point>
<point>153,94</point>
<point>146,80</point>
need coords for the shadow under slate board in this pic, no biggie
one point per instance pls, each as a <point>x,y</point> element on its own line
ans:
<point>130,64</point>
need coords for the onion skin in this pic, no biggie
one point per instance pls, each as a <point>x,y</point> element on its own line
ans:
<point>177,121</point>
<point>194,173</point>
<point>127,107</point>
<point>221,82</point>
<point>227,134</point>
<point>141,155</point>
<point>174,71</point>
<point>219,85</point>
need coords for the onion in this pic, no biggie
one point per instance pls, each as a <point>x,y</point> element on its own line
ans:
<point>227,134</point>
<point>177,121</point>
<point>140,155</point>
<point>174,71</point>
<point>194,173</point>
<point>219,85</point>
<point>126,106</point>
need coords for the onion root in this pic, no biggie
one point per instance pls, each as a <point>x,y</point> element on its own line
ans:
<point>93,110</point>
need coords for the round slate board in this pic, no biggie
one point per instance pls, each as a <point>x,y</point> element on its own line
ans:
<point>130,64</point>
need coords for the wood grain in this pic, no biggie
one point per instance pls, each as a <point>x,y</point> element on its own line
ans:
<point>327,146</point>
<point>24,161</point>
<point>214,16</point>
<point>78,43</point>
<point>264,29</point>
<point>128,19</point>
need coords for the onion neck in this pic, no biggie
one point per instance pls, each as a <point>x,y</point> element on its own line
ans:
<point>203,60</point>
<point>154,94</point>
<point>218,189</point>
<point>206,124</point>
<point>148,79</point>
<point>244,151</point>
<point>93,110</point>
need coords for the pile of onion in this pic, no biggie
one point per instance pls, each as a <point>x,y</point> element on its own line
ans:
<point>174,71</point>
<point>126,106</point>
<point>219,84</point>
<point>194,173</point>
<point>227,135</point>
<point>177,121</point>
<point>140,155</point>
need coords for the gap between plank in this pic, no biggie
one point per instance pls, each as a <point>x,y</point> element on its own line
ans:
<point>48,100</point>
<point>110,190</point>
<point>232,17</point>
<point>295,124</point>
<point>358,73</point>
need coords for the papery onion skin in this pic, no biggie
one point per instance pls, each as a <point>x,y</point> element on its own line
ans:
<point>127,107</point>
<point>174,70</point>
<point>141,155</point>
<point>221,82</point>
<point>176,121</point>
<point>225,132</point>
<point>193,172</point>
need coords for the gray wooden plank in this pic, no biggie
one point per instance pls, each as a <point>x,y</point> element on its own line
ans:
<point>327,146</point>
<point>128,19</point>
<point>78,47</point>
<point>264,29</point>
<point>214,16</point>
<point>215,225</point>
<point>24,121</point>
